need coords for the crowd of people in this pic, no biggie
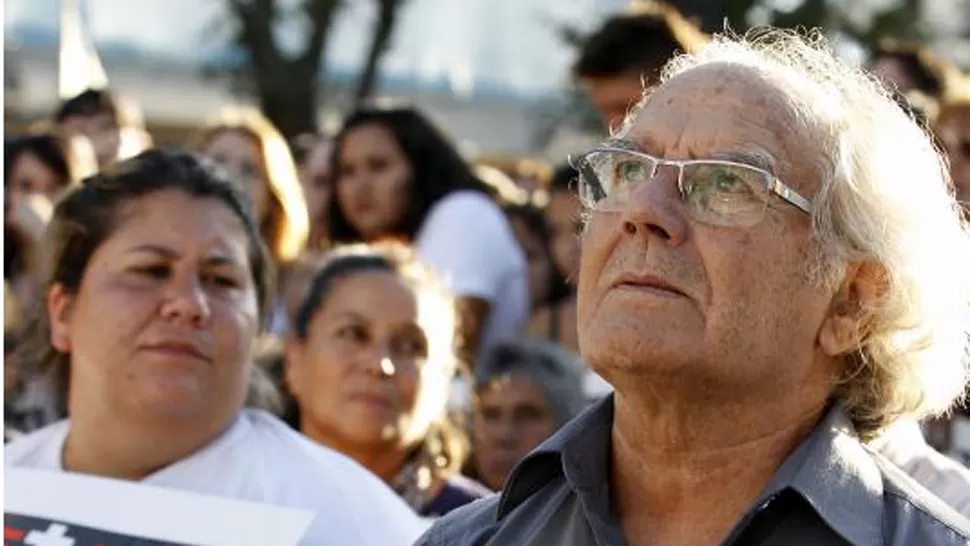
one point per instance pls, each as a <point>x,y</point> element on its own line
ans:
<point>760,346</point>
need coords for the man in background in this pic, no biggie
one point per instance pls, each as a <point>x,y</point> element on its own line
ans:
<point>626,53</point>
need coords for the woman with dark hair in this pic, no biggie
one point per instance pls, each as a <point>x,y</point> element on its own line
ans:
<point>37,169</point>
<point>36,165</point>
<point>312,156</point>
<point>546,284</point>
<point>370,366</point>
<point>556,320</point>
<point>156,287</point>
<point>397,177</point>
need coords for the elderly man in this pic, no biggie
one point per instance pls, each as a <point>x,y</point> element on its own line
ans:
<point>766,286</point>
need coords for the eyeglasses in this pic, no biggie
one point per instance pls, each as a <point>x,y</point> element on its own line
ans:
<point>716,192</point>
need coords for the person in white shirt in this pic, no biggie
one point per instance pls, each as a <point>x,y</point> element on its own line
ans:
<point>156,288</point>
<point>904,445</point>
<point>397,177</point>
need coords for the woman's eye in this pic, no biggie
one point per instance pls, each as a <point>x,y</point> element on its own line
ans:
<point>413,348</point>
<point>352,333</point>
<point>346,171</point>
<point>153,271</point>
<point>223,281</point>
<point>378,164</point>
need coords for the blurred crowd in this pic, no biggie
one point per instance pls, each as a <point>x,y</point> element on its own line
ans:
<point>373,289</point>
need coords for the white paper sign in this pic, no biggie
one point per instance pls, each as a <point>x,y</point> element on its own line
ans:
<point>44,508</point>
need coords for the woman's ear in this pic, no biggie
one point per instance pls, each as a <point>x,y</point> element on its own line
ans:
<point>849,316</point>
<point>293,359</point>
<point>60,307</point>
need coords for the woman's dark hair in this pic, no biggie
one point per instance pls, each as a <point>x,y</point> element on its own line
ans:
<point>533,219</point>
<point>49,149</point>
<point>436,168</point>
<point>89,214</point>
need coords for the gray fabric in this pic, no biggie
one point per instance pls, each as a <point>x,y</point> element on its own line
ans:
<point>831,490</point>
<point>556,371</point>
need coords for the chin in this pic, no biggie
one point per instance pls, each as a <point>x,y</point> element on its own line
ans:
<point>635,349</point>
<point>178,400</point>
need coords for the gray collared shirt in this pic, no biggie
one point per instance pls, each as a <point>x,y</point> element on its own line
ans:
<point>831,490</point>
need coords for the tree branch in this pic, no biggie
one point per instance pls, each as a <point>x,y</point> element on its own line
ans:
<point>256,31</point>
<point>321,14</point>
<point>380,40</point>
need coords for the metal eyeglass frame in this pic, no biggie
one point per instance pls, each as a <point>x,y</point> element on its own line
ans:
<point>774,185</point>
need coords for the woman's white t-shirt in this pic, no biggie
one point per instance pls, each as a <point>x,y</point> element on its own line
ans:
<point>467,241</point>
<point>260,459</point>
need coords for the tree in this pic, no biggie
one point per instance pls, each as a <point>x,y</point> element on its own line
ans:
<point>288,87</point>
<point>387,11</point>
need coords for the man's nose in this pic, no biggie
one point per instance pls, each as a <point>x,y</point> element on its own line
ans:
<point>655,208</point>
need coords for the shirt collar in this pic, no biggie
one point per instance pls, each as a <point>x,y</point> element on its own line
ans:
<point>830,469</point>
<point>837,476</point>
<point>589,436</point>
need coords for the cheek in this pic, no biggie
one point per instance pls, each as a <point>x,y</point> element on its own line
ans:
<point>235,326</point>
<point>598,243</point>
<point>345,192</point>
<point>408,385</point>
<point>392,191</point>
<point>260,194</point>
<point>536,432</point>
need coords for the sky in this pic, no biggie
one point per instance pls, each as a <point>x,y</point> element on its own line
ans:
<point>500,44</point>
<point>509,44</point>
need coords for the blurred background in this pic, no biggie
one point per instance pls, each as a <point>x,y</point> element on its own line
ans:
<point>494,74</point>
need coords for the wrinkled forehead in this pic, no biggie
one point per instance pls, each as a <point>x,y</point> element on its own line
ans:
<point>722,105</point>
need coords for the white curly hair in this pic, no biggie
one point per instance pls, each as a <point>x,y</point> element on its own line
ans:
<point>885,199</point>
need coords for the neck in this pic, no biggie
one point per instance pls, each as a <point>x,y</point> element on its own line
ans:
<point>384,459</point>
<point>133,451</point>
<point>686,470</point>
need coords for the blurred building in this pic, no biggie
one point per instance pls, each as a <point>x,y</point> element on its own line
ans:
<point>487,71</point>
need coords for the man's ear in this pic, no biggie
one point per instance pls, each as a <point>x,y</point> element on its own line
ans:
<point>60,309</point>
<point>849,315</point>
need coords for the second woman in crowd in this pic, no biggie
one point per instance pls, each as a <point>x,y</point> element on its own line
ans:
<point>397,177</point>
<point>370,367</point>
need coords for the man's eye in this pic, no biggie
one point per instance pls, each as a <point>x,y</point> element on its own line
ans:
<point>629,171</point>
<point>727,181</point>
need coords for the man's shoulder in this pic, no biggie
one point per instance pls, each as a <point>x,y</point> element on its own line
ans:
<point>468,525</point>
<point>295,471</point>
<point>916,515</point>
